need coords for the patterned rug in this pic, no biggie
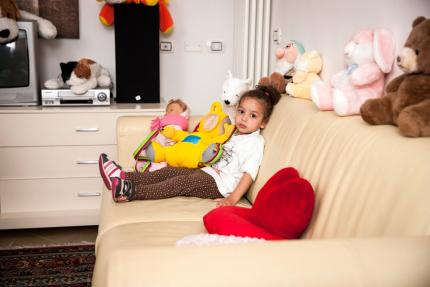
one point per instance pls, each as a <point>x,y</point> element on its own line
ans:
<point>70,266</point>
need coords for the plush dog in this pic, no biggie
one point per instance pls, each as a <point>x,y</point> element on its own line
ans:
<point>369,56</point>
<point>10,13</point>
<point>407,100</point>
<point>86,74</point>
<point>284,66</point>
<point>232,90</point>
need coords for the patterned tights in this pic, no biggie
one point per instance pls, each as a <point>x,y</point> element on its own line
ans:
<point>173,181</point>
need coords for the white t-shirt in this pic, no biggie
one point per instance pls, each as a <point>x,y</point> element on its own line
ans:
<point>242,153</point>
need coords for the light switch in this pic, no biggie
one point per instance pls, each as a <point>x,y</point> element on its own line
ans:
<point>215,46</point>
<point>277,36</point>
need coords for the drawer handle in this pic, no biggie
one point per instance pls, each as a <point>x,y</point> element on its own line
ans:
<point>87,129</point>
<point>87,161</point>
<point>88,194</point>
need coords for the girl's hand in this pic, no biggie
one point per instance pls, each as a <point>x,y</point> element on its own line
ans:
<point>224,201</point>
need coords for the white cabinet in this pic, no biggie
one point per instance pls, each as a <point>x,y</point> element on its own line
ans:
<point>48,162</point>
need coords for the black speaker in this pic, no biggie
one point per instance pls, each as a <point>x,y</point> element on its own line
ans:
<point>137,53</point>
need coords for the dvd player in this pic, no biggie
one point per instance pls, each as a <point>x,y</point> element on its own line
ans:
<point>95,97</point>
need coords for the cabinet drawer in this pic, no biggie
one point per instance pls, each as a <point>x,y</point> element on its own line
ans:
<point>35,195</point>
<point>57,129</point>
<point>52,162</point>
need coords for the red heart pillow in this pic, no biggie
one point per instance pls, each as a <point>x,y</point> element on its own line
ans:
<point>282,210</point>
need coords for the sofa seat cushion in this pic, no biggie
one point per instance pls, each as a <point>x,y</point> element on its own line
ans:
<point>186,209</point>
<point>133,237</point>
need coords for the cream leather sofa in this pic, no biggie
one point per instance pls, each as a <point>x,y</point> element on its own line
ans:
<point>371,224</point>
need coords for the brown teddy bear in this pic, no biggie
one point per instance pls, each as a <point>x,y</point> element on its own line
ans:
<point>407,100</point>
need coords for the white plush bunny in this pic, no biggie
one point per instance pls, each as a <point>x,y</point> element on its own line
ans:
<point>369,56</point>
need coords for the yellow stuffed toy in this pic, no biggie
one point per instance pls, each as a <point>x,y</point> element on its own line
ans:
<point>307,67</point>
<point>199,148</point>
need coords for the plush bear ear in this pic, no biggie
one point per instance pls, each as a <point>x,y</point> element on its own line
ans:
<point>384,49</point>
<point>418,20</point>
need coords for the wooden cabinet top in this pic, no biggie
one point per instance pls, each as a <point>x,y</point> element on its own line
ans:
<point>157,108</point>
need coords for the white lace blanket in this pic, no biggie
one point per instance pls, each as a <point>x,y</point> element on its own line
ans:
<point>214,239</point>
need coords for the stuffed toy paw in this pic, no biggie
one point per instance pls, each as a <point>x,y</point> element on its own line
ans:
<point>407,100</point>
<point>369,55</point>
<point>10,13</point>
<point>66,72</point>
<point>306,70</point>
<point>282,210</point>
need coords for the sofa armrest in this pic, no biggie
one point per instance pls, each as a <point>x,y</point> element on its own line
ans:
<point>130,131</point>
<point>338,262</point>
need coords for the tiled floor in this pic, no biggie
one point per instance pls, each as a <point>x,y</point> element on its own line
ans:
<point>47,236</point>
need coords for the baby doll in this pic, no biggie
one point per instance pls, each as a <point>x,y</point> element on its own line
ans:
<point>176,116</point>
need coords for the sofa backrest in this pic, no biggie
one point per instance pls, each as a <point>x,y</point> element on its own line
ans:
<point>369,180</point>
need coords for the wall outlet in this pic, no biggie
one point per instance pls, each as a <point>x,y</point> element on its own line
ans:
<point>215,46</point>
<point>166,46</point>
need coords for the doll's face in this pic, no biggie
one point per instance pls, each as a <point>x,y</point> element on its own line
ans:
<point>174,109</point>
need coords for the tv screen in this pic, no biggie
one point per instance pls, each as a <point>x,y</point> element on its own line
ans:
<point>14,64</point>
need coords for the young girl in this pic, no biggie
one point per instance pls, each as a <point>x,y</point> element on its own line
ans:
<point>226,181</point>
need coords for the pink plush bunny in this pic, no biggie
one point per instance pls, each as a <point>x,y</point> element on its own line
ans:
<point>369,55</point>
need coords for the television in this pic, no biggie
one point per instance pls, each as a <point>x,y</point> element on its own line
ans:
<point>18,75</point>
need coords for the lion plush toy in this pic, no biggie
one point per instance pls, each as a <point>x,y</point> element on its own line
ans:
<point>306,70</point>
<point>196,149</point>
<point>285,58</point>
<point>407,100</point>
<point>10,13</point>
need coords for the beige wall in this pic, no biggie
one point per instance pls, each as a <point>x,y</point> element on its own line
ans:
<point>196,77</point>
<point>326,25</point>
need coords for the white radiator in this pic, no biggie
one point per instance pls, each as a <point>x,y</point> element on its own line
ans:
<point>251,45</point>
